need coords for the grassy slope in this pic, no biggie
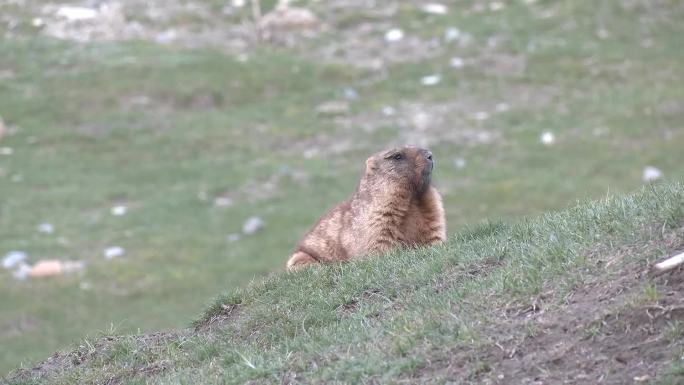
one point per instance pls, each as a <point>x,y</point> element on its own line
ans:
<point>165,130</point>
<point>408,315</point>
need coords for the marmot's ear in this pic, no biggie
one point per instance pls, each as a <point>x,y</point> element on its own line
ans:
<point>371,165</point>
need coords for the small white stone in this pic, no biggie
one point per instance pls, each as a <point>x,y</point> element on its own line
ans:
<point>430,80</point>
<point>502,107</point>
<point>238,3</point>
<point>166,37</point>
<point>496,6</point>
<point>46,228</point>
<point>252,225</point>
<point>223,202</point>
<point>547,138</point>
<point>350,93</point>
<point>113,252</point>
<point>37,22</point>
<point>310,153</point>
<point>459,163</point>
<point>22,272</point>
<point>70,267</point>
<point>452,34</point>
<point>651,174</point>
<point>481,115</point>
<point>6,151</point>
<point>388,111</point>
<point>602,33</point>
<point>76,13</point>
<point>13,258</point>
<point>456,62</point>
<point>394,34</point>
<point>118,210</point>
<point>435,8</point>
<point>421,120</point>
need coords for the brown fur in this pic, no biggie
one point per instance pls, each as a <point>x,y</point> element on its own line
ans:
<point>393,206</point>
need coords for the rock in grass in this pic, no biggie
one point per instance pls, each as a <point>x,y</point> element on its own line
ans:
<point>13,258</point>
<point>435,8</point>
<point>118,210</point>
<point>223,202</point>
<point>289,19</point>
<point>456,62</point>
<point>46,268</point>
<point>22,272</point>
<point>547,138</point>
<point>452,34</point>
<point>113,252</point>
<point>53,267</point>
<point>253,225</point>
<point>430,80</point>
<point>46,228</point>
<point>72,13</point>
<point>651,174</point>
<point>394,35</point>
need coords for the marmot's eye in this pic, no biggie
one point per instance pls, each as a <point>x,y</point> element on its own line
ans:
<point>398,157</point>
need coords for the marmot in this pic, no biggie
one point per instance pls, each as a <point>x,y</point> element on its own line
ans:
<point>393,206</point>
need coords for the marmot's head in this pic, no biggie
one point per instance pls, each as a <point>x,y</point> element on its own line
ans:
<point>404,167</point>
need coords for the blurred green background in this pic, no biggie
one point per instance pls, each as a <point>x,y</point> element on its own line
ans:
<point>194,120</point>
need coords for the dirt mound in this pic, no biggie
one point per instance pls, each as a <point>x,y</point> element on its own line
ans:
<point>623,327</point>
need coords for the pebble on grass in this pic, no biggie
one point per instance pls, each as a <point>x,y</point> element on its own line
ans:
<point>435,8</point>
<point>547,138</point>
<point>452,34</point>
<point>46,228</point>
<point>430,80</point>
<point>459,163</point>
<point>223,202</point>
<point>394,35</point>
<point>456,62</point>
<point>118,210</point>
<point>72,13</point>
<point>13,258</point>
<point>113,252</point>
<point>22,272</point>
<point>252,225</point>
<point>651,174</point>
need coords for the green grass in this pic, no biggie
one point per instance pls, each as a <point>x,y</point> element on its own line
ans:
<point>389,318</point>
<point>165,130</point>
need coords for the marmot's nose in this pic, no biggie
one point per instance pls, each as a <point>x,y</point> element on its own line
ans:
<point>428,155</point>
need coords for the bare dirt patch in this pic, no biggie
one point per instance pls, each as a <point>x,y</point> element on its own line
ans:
<point>624,326</point>
<point>228,313</point>
<point>151,344</point>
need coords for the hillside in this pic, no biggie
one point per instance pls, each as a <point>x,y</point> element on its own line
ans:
<point>170,150</point>
<point>564,297</point>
